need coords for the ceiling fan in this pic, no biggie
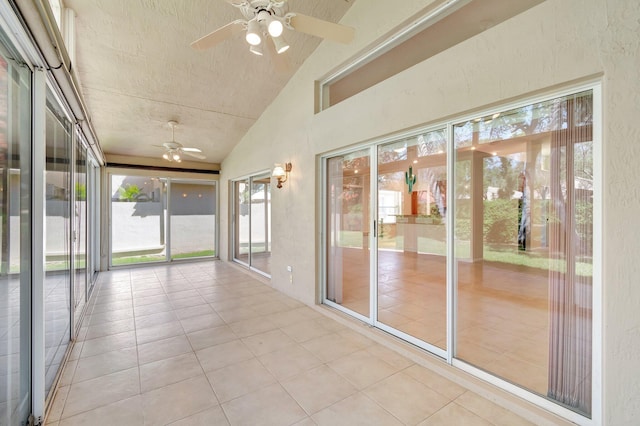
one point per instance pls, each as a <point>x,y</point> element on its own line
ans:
<point>175,150</point>
<point>266,20</point>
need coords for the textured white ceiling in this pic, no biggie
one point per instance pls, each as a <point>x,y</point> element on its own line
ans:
<point>137,71</point>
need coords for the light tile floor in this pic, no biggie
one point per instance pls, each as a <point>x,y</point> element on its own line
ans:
<point>206,344</point>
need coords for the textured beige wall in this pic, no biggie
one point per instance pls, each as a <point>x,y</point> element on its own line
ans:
<point>553,45</point>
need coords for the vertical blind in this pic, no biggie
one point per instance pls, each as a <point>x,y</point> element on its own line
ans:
<point>570,277</point>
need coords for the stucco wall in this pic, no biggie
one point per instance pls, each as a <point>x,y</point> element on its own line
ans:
<point>550,46</point>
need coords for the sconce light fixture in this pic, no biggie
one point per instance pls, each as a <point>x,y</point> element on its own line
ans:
<point>281,173</point>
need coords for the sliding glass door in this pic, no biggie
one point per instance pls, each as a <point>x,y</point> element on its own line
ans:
<point>498,281</point>
<point>43,229</point>
<point>80,232</point>
<point>160,219</point>
<point>252,222</point>
<point>93,222</point>
<point>192,215</point>
<point>15,237</point>
<point>138,216</point>
<point>241,228</point>
<point>348,239</point>
<point>57,240</point>
<point>261,223</point>
<point>412,239</point>
<point>525,277</point>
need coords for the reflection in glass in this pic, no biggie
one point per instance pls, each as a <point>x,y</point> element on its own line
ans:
<point>93,224</point>
<point>252,228</point>
<point>412,209</point>
<point>193,219</point>
<point>241,228</point>
<point>261,223</point>
<point>57,308</point>
<point>15,237</point>
<point>137,219</point>
<point>80,232</point>
<point>348,255</point>
<point>524,203</point>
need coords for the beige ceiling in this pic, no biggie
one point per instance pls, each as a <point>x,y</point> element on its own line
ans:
<point>137,72</point>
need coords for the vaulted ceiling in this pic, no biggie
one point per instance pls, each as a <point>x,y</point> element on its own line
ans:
<point>138,71</point>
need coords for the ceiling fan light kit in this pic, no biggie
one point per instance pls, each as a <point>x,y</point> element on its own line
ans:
<point>253,33</point>
<point>256,50</point>
<point>268,18</point>
<point>281,44</point>
<point>274,27</point>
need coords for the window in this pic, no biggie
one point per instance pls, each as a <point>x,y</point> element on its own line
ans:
<point>442,25</point>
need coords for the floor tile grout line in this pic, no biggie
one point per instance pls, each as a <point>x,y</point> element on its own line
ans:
<point>197,359</point>
<point>135,339</point>
<point>92,305</point>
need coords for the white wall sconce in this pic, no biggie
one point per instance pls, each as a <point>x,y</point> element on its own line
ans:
<point>281,173</point>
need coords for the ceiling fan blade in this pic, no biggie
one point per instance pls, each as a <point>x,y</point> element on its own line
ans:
<point>237,3</point>
<point>319,28</point>
<point>194,154</point>
<point>191,149</point>
<point>219,35</point>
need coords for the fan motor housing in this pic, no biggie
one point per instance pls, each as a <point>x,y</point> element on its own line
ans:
<point>250,9</point>
<point>172,145</point>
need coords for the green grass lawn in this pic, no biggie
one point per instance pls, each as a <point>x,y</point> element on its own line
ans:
<point>201,253</point>
<point>145,258</point>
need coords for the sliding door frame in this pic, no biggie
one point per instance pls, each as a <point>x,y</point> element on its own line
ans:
<point>167,177</point>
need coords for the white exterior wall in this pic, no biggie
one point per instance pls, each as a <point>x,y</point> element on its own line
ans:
<point>550,46</point>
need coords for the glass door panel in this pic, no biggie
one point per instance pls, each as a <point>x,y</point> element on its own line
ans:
<point>93,224</point>
<point>15,237</point>
<point>412,185</point>
<point>193,219</point>
<point>260,218</point>
<point>138,219</point>
<point>242,230</point>
<point>524,198</point>
<point>57,303</point>
<point>348,253</point>
<point>80,233</point>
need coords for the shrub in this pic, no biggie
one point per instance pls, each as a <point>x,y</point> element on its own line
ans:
<point>501,221</point>
<point>463,228</point>
<point>129,193</point>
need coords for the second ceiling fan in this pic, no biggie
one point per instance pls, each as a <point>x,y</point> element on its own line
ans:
<point>174,151</point>
<point>266,20</point>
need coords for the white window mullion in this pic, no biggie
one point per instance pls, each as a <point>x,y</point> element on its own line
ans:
<point>597,413</point>
<point>451,263</point>
<point>167,214</point>
<point>39,90</point>
<point>373,233</point>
